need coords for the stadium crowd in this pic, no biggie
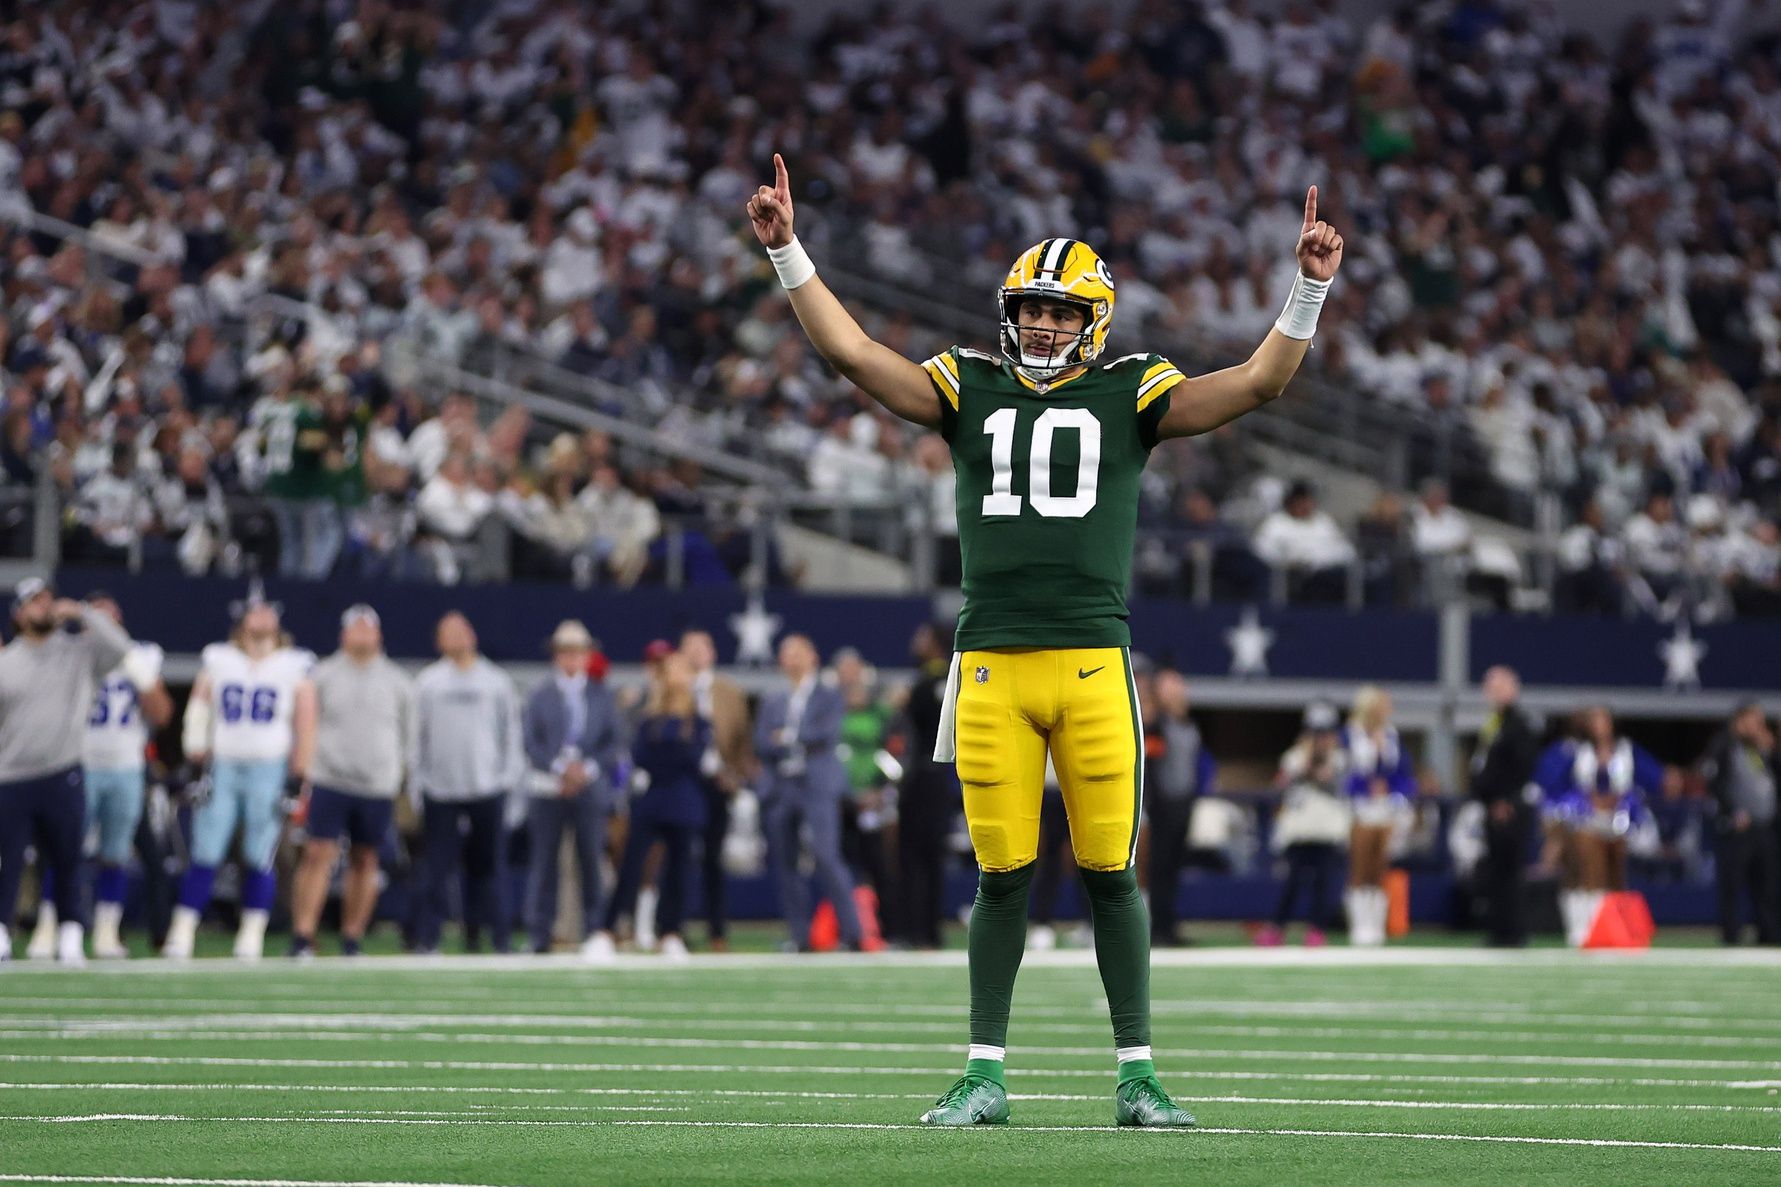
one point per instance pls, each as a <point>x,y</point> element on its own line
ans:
<point>424,792</point>
<point>553,190</point>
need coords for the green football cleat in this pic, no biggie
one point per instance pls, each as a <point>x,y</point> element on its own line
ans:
<point>974,1100</point>
<point>1143,1102</point>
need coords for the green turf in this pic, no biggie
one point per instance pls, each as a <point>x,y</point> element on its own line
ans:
<point>758,1069</point>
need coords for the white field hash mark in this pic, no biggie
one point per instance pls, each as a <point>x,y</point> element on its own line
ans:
<point>176,1118</point>
<point>772,1094</point>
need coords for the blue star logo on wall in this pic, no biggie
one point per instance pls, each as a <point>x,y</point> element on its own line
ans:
<point>755,629</point>
<point>1249,641</point>
<point>1682,654</point>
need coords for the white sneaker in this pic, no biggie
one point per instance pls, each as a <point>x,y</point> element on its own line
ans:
<point>5,944</point>
<point>673,948</point>
<point>107,943</point>
<point>43,940</point>
<point>1041,937</point>
<point>71,945</point>
<point>182,934</point>
<point>598,948</point>
<point>250,940</point>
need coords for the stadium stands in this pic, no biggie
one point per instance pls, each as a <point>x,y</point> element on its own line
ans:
<point>1578,339</point>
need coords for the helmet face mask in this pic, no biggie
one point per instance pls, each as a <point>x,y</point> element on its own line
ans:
<point>1056,271</point>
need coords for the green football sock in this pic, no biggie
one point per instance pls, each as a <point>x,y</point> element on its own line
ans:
<point>1122,949</point>
<point>998,940</point>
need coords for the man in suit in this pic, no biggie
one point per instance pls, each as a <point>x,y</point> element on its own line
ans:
<point>1181,770</point>
<point>1502,768</point>
<point>723,704</point>
<point>803,781</point>
<point>572,740</point>
<point>1743,770</point>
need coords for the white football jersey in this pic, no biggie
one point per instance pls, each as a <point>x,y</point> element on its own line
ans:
<point>251,701</point>
<point>117,736</point>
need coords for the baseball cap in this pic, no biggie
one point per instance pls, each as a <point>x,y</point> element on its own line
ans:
<point>657,650</point>
<point>29,588</point>
<point>359,612</point>
<point>1322,716</point>
<point>571,634</point>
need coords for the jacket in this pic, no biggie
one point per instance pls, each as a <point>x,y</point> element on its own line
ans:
<point>546,721</point>
<point>673,756</point>
<point>1503,766</point>
<point>807,764</point>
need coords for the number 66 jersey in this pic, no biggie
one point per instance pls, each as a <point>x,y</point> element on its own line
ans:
<point>252,700</point>
<point>1048,479</point>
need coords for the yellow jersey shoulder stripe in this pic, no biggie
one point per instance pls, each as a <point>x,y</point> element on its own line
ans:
<point>944,372</point>
<point>1158,379</point>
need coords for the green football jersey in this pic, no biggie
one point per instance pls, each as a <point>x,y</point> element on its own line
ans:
<point>1048,478</point>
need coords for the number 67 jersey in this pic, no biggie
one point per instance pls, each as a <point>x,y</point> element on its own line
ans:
<point>1048,480</point>
<point>251,700</point>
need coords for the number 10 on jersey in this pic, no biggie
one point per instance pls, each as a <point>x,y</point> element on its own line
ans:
<point>1001,426</point>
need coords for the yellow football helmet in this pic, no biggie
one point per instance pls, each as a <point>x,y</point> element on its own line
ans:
<point>1061,270</point>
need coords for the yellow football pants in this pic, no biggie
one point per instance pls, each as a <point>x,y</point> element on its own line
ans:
<point>1080,705</point>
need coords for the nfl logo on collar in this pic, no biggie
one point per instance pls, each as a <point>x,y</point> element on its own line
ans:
<point>983,675</point>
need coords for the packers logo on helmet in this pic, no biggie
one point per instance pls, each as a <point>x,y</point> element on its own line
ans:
<point>1058,270</point>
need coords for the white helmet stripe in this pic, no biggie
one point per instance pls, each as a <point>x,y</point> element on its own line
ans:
<point>1055,255</point>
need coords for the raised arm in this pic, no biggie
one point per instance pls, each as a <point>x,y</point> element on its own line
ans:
<point>1201,404</point>
<point>894,381</point>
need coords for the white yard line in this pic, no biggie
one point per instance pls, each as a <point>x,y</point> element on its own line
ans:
<point>770,1094</point>
<point>176,1118</point>
<point>1173,1069</point>
<point>819,1014</point>
<point>165,1181</point>
<point>378,1036</point>
<point>306,1023</point>
<point>1198,958</point>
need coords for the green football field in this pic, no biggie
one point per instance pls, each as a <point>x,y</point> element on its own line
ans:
<point>1415,1065</point>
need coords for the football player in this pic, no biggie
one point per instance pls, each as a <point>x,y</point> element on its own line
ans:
<point>252,713</point>
<point>1049,440</point>
<point>131,701</point>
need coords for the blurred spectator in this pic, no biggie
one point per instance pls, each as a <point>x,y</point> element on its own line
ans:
<point>723,704</point>
<point>865,729</point>
<point>1381,786</point>
<point>1305,542</point>
<point>1502,769</point>
<point>672,755</point>
<point>1742,767</point>
<point>1180,769</point>
<point>1311,826</point>
<point>803,783</point>
<point>928,798</point>
<point>571,730</point>
<point>450,509</point>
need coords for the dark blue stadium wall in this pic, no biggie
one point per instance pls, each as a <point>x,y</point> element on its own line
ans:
<point>184,614</point>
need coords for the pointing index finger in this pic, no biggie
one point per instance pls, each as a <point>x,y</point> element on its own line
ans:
<point>1310,208</point>
<point>782,182</point>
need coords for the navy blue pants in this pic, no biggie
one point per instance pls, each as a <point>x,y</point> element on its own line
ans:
<point>52,811</point>
<point>547,818</point>
<point>677,844</point>
<point>464,833</point>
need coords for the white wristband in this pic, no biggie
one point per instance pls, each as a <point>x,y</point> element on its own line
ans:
<point>792,263</point>
<point>1299,318</point>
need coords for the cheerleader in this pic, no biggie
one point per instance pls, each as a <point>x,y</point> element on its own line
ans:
<point>1595,786</point>
<point>1381,784</point>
